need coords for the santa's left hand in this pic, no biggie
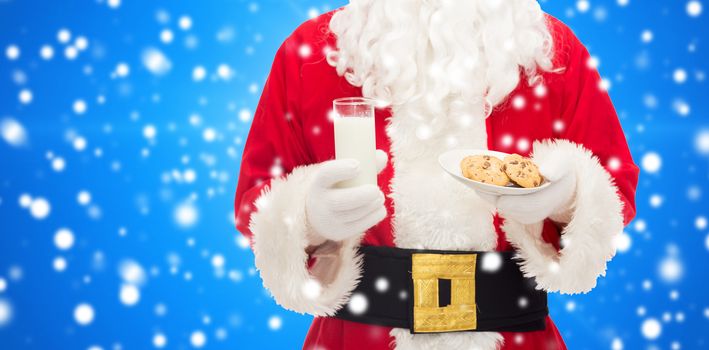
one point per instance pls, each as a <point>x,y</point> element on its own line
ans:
<point>554,201</point>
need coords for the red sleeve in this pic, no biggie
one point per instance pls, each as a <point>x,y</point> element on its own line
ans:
<point>275,144</point>
<point>590,119</point>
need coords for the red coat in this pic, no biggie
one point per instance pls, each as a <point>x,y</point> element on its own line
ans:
<point>291,130</point>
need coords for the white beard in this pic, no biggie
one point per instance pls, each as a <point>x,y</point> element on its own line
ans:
<point>442,65</point>
<point>440,54</point>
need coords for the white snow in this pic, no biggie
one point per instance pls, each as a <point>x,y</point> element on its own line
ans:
<point>651,162</point>
<point>79,143</point>
<point>131,272</point>
<point>199,73</point>
<point>149,131</point>
<point>167,36</point>
<point>245,115</point>
<point>122,69</point>
<point>523,302</point>
<point>701,142</point>
<point>358,304</point>
<point>570,306</point>
<point>186,215</point>
<point>155,61</point>
<point>159,340</point>
<point>700,222</point>
<point>694,8</point>
<point>198,339</point>
<point>129,294</point>
<point>614,163</point>
<point>40,208</point>
<point>70,52</point>
<point>679,76</point>
<point>605,84</point>
<point>185,22</point>
<point>84,314</point>
<point>671,269</point>
<point>623,242</point>
<point>640,225</point>
<point>218,261</point>
<point>58,164</point>
<point>79,106</point>
<point>491,262</point>
<point>381,284</point>
<point>25,201</point>
<point>305,51</point>
<point>583,5</point>
<point>540,90</point>
<point>189,175</point>
<point>224,71</point>
<point>275,323</point>
<point>25,96</point>
<point>64,35</point>
<point>646,36</point>
<point>242,242</point>
<point>311,289</point>
<point>5,312</point>
<point>651,329</point>
<point>313,12</point>
<point>46,52</point>
<point>617,344</point>
<point>209,134</point>
<point>681,107</point>
<point>656,200</point>
<point>518,102</point>
<point>83,197</point>
<point>160,310</point>
<point>523,145</point>
<point>64,239</point>
<point>81,43</point>
<point>13,132</point>
<point>12,52</point>
<point>59,264</point>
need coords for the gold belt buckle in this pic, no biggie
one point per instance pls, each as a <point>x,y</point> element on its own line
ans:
<point>429,316</point>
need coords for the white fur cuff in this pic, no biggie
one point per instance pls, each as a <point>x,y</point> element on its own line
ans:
<point>404,340</point>
<point>281,240</point>
<point>588,238</point>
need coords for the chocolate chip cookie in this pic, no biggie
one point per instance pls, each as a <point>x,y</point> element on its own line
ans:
<point>522,171</point>
<point>485,169</point>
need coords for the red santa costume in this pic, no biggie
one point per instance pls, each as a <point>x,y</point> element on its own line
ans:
<point>498,75</point>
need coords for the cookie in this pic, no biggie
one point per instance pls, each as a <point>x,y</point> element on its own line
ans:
<point>522,171</point>
<point>485,169</point>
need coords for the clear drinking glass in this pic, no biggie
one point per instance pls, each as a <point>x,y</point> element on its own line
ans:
<point>355,137</point>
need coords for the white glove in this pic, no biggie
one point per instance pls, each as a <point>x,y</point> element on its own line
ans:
<point>553,202</point>
<point>339,213</point>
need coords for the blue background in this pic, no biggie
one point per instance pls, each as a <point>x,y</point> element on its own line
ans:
<point>148,211</point>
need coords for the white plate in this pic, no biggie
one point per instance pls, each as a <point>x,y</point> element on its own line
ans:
<point>450,162</point>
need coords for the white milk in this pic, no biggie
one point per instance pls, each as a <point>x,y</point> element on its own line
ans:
<point>355,139</point>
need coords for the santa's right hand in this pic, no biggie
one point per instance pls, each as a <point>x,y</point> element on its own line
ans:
<point>340,213</point>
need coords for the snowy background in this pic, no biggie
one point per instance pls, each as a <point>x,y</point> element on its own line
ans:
<point>122,125</point>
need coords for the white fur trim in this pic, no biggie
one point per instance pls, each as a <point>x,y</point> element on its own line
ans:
<point>449,341</point>
<point>281,237</point>
<point>434,211</point>
<point>431,209</point>
<point>588,238</point>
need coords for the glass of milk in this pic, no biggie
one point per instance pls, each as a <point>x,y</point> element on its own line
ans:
<point>355,137</point>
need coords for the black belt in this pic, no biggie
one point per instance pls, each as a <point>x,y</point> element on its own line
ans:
<point>433,291</point>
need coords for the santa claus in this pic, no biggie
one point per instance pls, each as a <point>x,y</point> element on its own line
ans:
<point>493,74</point>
